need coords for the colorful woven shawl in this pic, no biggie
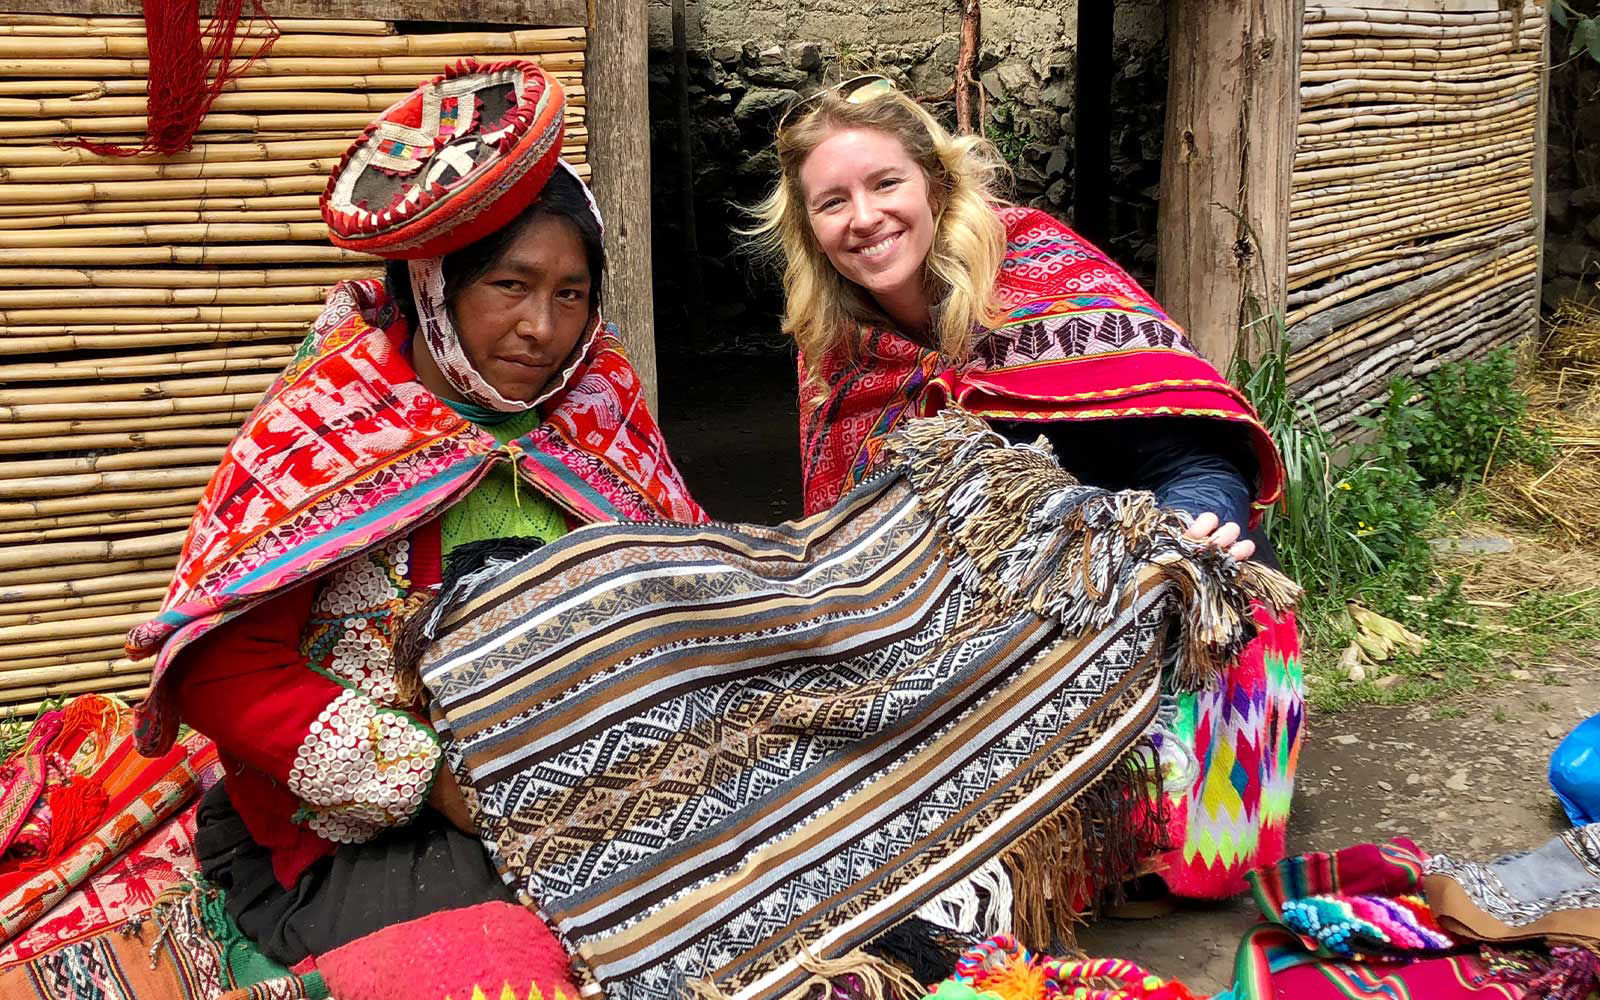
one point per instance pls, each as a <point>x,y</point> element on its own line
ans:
<point>724,759</point>
<point>1081,341</point>
<point>347,449</point>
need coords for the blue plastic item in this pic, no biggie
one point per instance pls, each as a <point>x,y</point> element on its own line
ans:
<point>1575,772</point>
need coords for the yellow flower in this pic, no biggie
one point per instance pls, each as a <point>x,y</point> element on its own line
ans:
<point>1344,484</point>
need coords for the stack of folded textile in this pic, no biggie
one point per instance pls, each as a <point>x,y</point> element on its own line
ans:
<point>1549,897</point>
<point>95,841</point>
<point>1388,921</point>
<point>79,798</point>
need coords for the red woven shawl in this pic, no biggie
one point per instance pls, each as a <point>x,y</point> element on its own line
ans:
<point>1080,341</point>
<point>347,450</point>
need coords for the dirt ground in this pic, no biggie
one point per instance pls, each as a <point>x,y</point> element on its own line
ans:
<point>1465,776</point>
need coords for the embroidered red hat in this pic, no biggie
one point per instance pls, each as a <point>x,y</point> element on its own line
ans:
<point>460,157</point>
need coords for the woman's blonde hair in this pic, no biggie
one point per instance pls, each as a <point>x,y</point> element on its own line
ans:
<point>822,309</point>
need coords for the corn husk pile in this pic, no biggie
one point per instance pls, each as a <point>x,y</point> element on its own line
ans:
<point>1377,640</point>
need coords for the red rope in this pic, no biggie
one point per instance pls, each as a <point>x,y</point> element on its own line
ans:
<point>181,56</point>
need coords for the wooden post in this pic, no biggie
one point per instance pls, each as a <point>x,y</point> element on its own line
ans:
<point>695,285</point>
<point>616,80</point>
<point>1541,160</point>
<point>1232,105</point>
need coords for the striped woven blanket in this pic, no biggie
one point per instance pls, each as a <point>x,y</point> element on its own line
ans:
<point>722,760</point>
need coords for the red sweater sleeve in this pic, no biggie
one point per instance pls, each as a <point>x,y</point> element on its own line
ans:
<point>353,766</point>
<point>246,685</point>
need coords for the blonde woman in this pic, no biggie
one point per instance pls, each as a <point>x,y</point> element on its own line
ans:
<point>910,286</point>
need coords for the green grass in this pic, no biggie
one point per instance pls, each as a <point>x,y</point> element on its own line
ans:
<point>1355,526</point>
<point>1456,659</point>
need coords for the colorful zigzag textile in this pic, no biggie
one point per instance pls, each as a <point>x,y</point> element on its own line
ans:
<point>1228,756</point>
<point>726,758</point>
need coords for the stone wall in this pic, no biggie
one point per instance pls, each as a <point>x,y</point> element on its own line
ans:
<point>749,60</point>
<point>1572,193</point>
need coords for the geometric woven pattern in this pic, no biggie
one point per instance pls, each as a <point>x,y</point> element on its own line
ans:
<point>1230,807</point>
<point>723,753</point>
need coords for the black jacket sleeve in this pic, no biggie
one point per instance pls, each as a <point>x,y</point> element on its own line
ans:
<point>1191,464</point>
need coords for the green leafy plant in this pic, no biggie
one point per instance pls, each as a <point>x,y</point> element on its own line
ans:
<point>1463,421</point>
<point>1584,29</point>
<point>1318,527</point>
<point>1355,524</point>
<point>1001,130</point>
<point>1380,496</point>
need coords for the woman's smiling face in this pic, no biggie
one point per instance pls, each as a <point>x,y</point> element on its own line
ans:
<point>870,212</point>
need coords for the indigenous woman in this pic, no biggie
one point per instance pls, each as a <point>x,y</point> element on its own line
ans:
<point>910,287</point>
<point>474,394</point>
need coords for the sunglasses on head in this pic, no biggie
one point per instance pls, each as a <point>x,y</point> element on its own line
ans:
<point>856,90</point>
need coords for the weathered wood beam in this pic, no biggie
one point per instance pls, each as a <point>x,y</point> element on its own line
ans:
<point>616,81</point>
<point>1541,160</point>
<point>539,13</point>
<point>1232,106</point>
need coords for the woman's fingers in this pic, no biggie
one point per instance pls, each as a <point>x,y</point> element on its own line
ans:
<point>1225,535</point>
<point>1208,526</point>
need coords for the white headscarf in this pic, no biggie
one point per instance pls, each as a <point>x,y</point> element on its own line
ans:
<point>444,343</point>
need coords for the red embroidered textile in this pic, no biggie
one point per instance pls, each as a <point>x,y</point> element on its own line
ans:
<point>122,892</point>
<point>1081,341</point>
<point>139,795</point>
<point>347,450</point>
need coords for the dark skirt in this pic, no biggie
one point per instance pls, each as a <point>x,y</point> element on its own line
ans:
<point>408,872</point>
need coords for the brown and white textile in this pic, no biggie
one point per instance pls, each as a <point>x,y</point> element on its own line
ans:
<point>1552,893</point>
<point>721,759</point>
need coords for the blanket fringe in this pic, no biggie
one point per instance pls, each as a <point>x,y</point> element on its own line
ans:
<point>856,976</point>
<point>1026,532</point>
<point>979,906</point>
<point>1568,973</point>
<point>1081,856</point>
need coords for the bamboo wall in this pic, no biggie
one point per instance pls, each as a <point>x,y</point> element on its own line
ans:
<point>145,304</point>
<point>1413,225</point>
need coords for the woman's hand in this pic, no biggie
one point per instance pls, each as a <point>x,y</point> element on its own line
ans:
<point>1226,537</point>
<point>445,796</point>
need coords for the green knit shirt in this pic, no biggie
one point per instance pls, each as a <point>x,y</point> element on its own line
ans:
<point>501,506</point>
